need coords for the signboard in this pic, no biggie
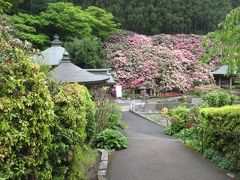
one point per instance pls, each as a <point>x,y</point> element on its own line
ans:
<point>118,91</point>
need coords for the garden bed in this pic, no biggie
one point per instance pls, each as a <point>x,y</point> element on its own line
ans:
<point>92,170</point>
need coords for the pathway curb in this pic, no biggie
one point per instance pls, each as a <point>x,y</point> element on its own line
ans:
<point>102,170</point>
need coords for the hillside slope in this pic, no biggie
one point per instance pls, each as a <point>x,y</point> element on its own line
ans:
<point>162,62</point>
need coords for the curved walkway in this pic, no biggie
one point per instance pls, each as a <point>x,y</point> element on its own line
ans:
<point>151,155</point>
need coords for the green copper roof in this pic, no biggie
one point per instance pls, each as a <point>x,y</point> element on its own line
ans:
<point>222,70</point>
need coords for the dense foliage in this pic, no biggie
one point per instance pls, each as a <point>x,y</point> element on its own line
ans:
<point>43,134</point>
<point>11,47</point>
<point>26,110</point>
<point>28,27</point>
<point>167,16</point>
<point>222,46</point>
<point>222,122</point>
<point>26,115</point>
<point>219,159</point>
<point>86,52</point>
<point>206,123</point>
<point>111,139</point>
<point>154,16</point>
<point>4,6</point>
<point>108,115</point>
<point>66,20</point>
<point>219,99</point>
<point>74,111</point>
<point>179,118</point>
<point>162,62</point>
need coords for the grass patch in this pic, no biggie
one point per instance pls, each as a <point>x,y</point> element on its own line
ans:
<point>154,117</point>
<point>85,159</point>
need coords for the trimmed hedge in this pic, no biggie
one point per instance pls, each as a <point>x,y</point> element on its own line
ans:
<point>224,118</point>
<point>222,125</point>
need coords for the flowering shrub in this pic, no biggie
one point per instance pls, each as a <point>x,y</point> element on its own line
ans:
<point>165,62</point>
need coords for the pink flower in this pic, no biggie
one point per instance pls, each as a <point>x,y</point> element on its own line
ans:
<point>169,62</point>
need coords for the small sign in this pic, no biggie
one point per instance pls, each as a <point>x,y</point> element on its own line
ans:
<point>118,91</point>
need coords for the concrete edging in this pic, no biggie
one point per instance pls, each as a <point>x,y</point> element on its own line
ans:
<point>102,170</point>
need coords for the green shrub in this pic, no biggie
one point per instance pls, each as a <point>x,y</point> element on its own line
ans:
<point>83,159</point>
<point>219,99</point>
<point>108,116</point>
<point>191,136</point>
<point>194,144</point>
<point>169,130</point>
<point>224,118</point>
<point>188,133</point>
<point>111,139</point>
<point>72,108</point>
<point>179,117</point>
<point>180,113</point>
<point>221,124</point>
<point>26,116</point>
<point>219,159</point>
<point>195,114</point>
<point>87,52</point>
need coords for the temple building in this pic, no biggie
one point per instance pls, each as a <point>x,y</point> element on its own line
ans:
<point>65,71</point>
<point>222,78</point>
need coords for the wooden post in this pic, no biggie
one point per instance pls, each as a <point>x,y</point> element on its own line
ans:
<point>220,81</point>
<point>231,83</point>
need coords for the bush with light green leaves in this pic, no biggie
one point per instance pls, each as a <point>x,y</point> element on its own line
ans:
<point>26,116</point>
<point>222,126</point>
<point>73,125</point>
<point>219,99</point>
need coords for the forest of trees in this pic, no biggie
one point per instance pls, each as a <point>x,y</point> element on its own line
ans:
<point>151,16</point>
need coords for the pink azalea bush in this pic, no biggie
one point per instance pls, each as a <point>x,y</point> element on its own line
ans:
<point>165,62</point>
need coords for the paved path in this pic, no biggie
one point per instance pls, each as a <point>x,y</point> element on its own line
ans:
<point>154,156</point>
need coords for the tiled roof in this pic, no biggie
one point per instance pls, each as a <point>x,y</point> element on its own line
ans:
<point>68,72</point>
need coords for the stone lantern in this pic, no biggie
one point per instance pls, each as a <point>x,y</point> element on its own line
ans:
<point>143,92</point>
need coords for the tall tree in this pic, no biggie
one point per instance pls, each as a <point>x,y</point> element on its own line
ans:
<point>66,20</point>
<point>223,44</point>
<point>151,16</point>
<point>87,52</point>
<point>4,6</point>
